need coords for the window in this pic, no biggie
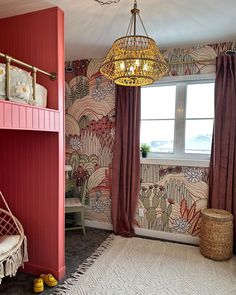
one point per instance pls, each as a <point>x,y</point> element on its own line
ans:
<point>199,118</point>
<point>177,118</point>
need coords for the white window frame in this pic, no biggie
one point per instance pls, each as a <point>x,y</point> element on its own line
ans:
<point>181,83</point>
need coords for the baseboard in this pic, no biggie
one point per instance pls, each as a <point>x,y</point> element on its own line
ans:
<point>175,237</point>
<point>36,270</point>
<point>98,224</point>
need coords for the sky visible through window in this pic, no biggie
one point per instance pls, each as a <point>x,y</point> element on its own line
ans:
<point>158,103</point>
<point>158,114</point>
<point>199,107</point>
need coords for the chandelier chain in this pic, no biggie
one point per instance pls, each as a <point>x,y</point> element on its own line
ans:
<point>107,2</point>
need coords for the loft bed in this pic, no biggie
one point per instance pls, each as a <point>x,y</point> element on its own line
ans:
<point>22,106</point>
<point>23,102</point>
<point>20,86</point>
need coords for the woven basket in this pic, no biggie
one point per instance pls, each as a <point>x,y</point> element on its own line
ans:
<point>216,234</point>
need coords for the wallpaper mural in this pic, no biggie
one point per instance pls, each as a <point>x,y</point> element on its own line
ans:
<point>171,197</point>
<point>90,104</point>
<point>197,54</point>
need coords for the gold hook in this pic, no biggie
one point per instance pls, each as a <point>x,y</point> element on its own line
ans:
<point>135,10</point>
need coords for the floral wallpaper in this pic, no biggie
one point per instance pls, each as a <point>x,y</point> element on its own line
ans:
<point>197,54</point>
<point>171,196</point>
<point>90,122</point>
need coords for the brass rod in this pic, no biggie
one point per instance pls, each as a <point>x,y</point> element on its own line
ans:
<point>142,25</point>
<point>51,75</point>
<point>191,62</point>
<point>7,87</point>
<point>34,82</point>
<point>134,12</point>
<point>135,7</point>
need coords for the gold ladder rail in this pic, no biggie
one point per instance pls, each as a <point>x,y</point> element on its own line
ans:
<point>10,59</point>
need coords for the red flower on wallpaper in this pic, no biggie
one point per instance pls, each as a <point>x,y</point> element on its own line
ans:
<point>101,126</point>
<point>80,175</point>
<point>171,201</point>
<point>192,216</point>
<point>102,129</point>
<point>161,188</point>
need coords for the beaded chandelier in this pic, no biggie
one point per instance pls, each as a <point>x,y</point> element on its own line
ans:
<point>134,60</point>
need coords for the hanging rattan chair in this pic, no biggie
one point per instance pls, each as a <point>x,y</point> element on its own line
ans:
<point>13,244</point>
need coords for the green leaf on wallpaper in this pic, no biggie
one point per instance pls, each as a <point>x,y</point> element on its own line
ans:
<point>159,194</point>
<point>141,197</point>
<point>149,192</point>
<point>163,204</point>
<point>83,158</point>
<point>93,159</point>
<point>155,192</point>
<point>146,203</point>
<point>155,202</point>
<point>169,209</point>
<point>151,214</point>
<point>83,122</point>
<point>164,218</point>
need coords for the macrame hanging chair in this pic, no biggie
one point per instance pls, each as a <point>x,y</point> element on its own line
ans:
<point>13,243</point>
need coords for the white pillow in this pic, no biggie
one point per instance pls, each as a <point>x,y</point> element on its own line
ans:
<point>8,242</point>
<point>20,84</point>
<point>41,96</point>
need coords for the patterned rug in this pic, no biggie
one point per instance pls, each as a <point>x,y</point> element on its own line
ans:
<point>131,266</point>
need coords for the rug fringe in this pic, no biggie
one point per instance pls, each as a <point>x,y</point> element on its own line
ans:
<point>68,283</point>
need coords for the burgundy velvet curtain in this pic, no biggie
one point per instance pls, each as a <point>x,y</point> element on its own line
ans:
<point>126,159</point>
<point>222,189</point>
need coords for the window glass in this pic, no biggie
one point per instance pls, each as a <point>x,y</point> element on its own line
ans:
<point>178,119</point>
<point>198,136</point>
<point>200,100</point>
<point>158,102</point>
<point>159,134</point>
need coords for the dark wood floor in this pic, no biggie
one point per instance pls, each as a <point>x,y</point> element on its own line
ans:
<point>78,248</point>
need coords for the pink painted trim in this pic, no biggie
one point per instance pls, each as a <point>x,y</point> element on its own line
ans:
<point>26,105</point>
<point>27,117</point>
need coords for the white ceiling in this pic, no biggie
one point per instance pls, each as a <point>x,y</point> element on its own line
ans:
<point>90,28</point>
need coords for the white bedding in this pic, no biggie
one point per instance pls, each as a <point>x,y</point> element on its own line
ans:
<point>21,89</point>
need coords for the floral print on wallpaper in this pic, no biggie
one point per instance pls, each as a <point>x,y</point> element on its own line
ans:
<point>172,198</point>
<point>196,55</point>
<point>90,123</point>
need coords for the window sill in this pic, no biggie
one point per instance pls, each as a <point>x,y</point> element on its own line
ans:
<point>176,162</point>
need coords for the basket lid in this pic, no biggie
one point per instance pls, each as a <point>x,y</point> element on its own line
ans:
<point>217,214</point>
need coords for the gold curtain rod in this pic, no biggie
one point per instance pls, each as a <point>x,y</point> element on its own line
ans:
<point>192,62</point>
<point>34,69</point>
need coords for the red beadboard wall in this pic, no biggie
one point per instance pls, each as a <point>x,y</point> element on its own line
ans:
<point>32,162</point>
<point>34,39</point>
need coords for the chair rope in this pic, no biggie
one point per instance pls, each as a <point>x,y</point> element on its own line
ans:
<point>9,210</point>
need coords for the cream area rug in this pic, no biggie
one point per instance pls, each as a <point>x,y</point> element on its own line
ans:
<point>131,266</point>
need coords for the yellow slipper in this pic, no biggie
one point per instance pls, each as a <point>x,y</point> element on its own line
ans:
<point>38,286</point>
<point>49,279</point>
